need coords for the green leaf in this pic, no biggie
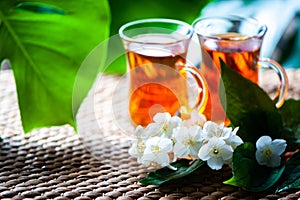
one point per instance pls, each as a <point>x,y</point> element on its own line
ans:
<point>46,44</point>
<point>164,175</point>
<point>291,175</point>
<point>290,112</point>
<point>248,174</point>
<point>249,107</point>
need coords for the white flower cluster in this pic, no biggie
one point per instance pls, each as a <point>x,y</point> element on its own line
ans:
<point>170,138</point>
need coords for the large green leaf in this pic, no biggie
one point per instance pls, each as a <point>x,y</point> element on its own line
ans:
<point>249,107</point>
<point>46,42</point>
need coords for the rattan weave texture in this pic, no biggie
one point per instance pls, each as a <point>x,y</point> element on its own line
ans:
<point>57,163</point>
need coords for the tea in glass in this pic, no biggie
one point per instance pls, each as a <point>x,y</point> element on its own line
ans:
<point>237,41</point>
<point>156,56</point>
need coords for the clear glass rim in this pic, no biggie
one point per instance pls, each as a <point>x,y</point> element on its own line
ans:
<point>261,28</point>
<point>188,27</point>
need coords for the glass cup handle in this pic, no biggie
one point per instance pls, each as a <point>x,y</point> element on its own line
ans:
<point>202,87</point>
<point>283,85</point>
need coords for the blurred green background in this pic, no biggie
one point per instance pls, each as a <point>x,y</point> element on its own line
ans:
<point>125,11</point>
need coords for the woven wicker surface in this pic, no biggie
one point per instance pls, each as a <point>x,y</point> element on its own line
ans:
<point>57,163</point>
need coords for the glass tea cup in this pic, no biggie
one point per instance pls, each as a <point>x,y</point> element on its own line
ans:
<point>158,72</point>
<point>237,41</point>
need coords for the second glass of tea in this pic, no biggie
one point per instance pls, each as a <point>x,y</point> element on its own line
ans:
<point>237,41</point>
<point>156,52</point>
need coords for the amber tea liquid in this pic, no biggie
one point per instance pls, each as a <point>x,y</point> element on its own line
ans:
<point>239,53</point>
<point>156,84</point>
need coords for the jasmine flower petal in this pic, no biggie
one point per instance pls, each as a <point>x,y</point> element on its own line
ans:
<point>263,141</point>
<point>215,163</point>
<point>278,146</point>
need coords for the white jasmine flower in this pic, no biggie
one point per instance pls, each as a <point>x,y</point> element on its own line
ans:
<point>216,152</point>
<point>157,150</point>
<point>137,149</point>
<point>268,152</point>
<point>138,144</point>
<point>195,119</point>
<point>212,129</point>
<point>232,138</point>
<point>163,125</point>
<point>187,141</point>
